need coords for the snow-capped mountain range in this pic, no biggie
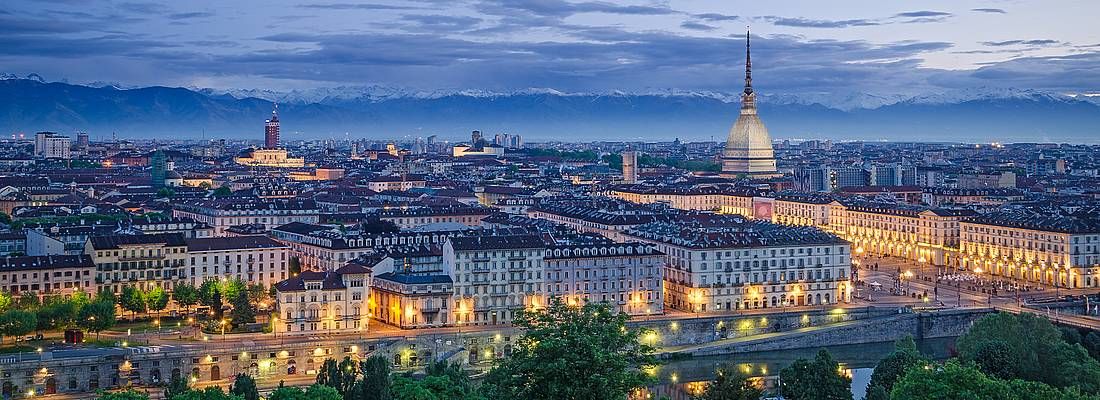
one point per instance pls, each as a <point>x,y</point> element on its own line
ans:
<point>978,114</point>
<point>846,101</point>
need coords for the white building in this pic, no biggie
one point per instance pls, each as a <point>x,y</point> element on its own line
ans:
<point>628,276</point>
<point>720,265</point>
<point>50,145</point>
<point>494,276</point>
<point>251,259</point>
<point>323,302</point>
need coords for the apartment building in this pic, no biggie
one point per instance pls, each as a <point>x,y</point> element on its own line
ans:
<point>494,276</point>
<point>626,275</point>
<point>47,275</point>
<point>253,259</point>
<point>1043,248</point>
<point>145,261</point>
<point>720,265</point>
<point>224,213</point>
<point>323,302</point>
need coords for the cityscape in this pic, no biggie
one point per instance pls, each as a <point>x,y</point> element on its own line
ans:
<point>248,244</point>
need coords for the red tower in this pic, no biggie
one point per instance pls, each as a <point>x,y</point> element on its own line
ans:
<point>271,130</point>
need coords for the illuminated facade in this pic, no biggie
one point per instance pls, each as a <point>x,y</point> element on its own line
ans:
<point>1060,251</point>
<point>723,200</point>
<point>749,265</point>
<point>319,302</point>
<point>926,235</point>
<point>627,276</point>
<point>494,276</point>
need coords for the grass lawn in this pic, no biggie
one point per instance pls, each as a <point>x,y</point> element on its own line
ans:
<point>16,348</point>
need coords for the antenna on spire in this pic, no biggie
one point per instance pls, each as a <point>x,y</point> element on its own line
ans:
<point>748,63</point>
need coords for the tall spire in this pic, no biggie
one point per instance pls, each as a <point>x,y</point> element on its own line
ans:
<point>748,64</point>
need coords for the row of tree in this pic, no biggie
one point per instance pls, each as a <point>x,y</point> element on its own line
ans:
<point>28,314</point>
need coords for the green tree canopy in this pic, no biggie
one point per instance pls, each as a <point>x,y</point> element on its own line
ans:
<point>338,375</point>
<point>820,379</point>
<point>176,386</point>
<point>156,300</point>
<point>245,387</point>
<point>185,295</point>
<point>375,380</point>
<point>128,394</point>
<point>17,322</point>
<point>730,384</point>
<point>1029,347</point>
<point>891,368</point>
<point>243,311</point>
<point>568,352</point>
<point>97,316</point>
<point>964,381</point>
<point>132,299</point>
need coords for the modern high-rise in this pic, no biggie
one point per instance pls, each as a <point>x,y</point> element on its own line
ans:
<point>271,130</point>
<point>52,146</point>
<point>748,150</point>
<point>630,167</point>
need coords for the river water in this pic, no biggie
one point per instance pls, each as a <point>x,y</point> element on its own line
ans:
<point>681,379</point>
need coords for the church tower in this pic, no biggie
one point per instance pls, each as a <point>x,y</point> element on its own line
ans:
<point>748,150</point>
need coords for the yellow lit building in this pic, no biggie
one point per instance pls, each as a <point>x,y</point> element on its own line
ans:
<point>916,233</point>
<point>320,302</point>
<point>1047,249</point>
<point>277,158</point>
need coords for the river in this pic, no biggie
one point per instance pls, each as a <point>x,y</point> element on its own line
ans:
<point>681,379</point>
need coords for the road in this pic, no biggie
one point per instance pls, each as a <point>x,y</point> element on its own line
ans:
<point>950,295</point>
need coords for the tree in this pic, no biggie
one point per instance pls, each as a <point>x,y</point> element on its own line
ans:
<point>294,266</point>
<point>156,300</point>
<point>1033,349</point>
<point>243,312</point>
<point>210,295</point>
<point>98,315</point>
<point>958,381</point>
<point>245,387</point>
<point>257,293</point>
<point>28,301</point>
<point>128,394</point>
<point>210,393</point>
<point>186,295</point>
<point>132,300</point>
<point>820,379</point>
<point>889,369</point>
<point>994,358</point>
<point>731,384</point>
<point>569,352</point>
<point>5,300</point>
<point>17,323</point>
<point>222,191</point>
<point>876,392</point>
<point>338,375</point>
<point>314,392</point>
<point>374,382</point>
<point>178,385</point>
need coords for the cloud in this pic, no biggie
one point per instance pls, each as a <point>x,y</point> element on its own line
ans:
<point>562,8</point>
<point>1018,42</point>
<point>356,6</point>
<point>144,7</point>
<point>989,10</point>
<point>443,22</point>
<point>696,26</point>
<point>716,17</point>
<point>190,15</point>
<point>818,23</point>
<point>922,14</point>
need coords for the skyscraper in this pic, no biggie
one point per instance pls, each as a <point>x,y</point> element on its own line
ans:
<point>748,150</point>
<point>630,167</point>
<point>271,130</point>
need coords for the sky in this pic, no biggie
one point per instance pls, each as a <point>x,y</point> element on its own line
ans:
<point>803,46</point>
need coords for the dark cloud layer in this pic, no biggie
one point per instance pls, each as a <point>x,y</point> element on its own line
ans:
<point>490,45</point>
